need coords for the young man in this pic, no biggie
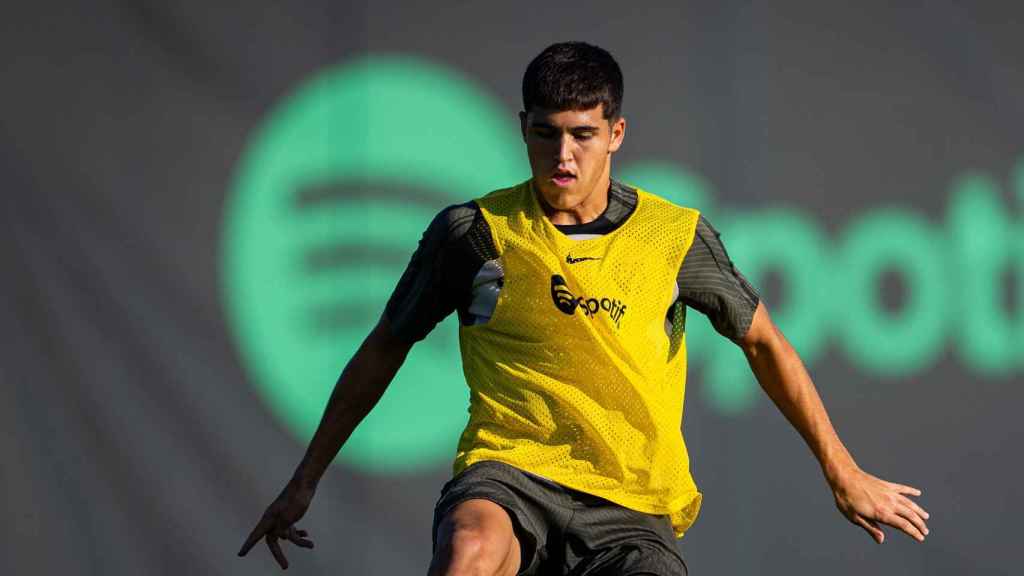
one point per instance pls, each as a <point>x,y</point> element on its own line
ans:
<point>571,291</point>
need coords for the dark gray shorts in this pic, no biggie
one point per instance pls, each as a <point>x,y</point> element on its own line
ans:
<point>564,531</point>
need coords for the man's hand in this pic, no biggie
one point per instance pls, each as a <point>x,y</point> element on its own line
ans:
<point>867,501</point>
<point>278,522</point>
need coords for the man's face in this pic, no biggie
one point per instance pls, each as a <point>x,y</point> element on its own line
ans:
<point>570,152</point>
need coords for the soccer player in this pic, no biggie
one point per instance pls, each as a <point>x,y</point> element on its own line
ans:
<point>571,290</point>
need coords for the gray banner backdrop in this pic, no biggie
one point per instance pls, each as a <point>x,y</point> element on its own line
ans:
<point>136,440</point>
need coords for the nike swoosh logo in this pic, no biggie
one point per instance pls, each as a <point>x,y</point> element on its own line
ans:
<point>570,260</point>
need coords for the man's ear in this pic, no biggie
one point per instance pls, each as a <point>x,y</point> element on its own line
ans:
<point>618,128</point>
<point>522,125</point>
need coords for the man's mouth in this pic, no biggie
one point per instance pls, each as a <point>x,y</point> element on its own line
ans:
<point>563,178</point>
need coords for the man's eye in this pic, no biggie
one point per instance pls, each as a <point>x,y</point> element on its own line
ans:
<point>545,134</point>
<point>584,135</point>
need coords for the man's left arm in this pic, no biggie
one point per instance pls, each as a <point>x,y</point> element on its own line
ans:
<point>865,500</point>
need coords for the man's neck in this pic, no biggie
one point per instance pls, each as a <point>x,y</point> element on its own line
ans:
<point>590,209</point>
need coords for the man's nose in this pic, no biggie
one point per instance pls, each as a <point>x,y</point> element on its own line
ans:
<point>565,148</point>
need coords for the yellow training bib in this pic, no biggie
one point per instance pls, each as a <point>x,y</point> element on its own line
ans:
<point>574,377</point>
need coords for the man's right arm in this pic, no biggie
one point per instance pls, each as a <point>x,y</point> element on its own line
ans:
<point>356,392</point>
<point>360,386</point>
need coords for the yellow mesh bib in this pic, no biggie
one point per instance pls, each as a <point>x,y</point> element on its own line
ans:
<point>574,377</point>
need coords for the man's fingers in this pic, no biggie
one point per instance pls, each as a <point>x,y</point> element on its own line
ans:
<point>915,507</point>
<point>262,528</point>
<point>897,521</point>
<point>297,537</point>
<point>911,516</point>
<point>275,549</point>
<point>870,527</point>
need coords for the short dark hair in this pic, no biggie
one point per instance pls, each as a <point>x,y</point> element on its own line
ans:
<point>573,76</point>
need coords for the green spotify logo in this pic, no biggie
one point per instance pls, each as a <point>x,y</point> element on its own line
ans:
<point>337,184</point>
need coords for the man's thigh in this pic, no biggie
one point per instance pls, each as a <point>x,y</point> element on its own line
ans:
<point>507,490</point>
<point>476,536</point>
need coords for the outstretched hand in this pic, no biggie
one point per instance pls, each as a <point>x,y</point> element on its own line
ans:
<point>868,501</point>
<point>278,522</point>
